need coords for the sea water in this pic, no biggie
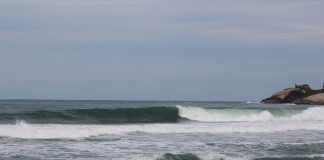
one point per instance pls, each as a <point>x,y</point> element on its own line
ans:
<point>155,130</point>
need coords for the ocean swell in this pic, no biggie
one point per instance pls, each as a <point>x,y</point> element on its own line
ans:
<point>164,115</point>
<point>96,116</point>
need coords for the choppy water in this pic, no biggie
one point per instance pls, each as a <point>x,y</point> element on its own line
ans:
<point>34,129</point>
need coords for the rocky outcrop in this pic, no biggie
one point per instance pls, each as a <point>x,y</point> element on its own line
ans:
<point>279,97</point>
<point>301,94</point>
<point>316,99</point>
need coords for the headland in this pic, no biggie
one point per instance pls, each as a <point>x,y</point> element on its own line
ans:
<point>300,94</point>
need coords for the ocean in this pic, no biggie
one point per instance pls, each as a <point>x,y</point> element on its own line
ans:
<point>159,130</point>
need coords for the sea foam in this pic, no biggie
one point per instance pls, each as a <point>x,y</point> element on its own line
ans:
<point>250,115</point>
<point>62,131</point>
<point>217,115</point>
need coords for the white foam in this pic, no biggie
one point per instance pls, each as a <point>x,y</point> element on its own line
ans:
<point>205,115</point>
<point>50,131</point>
<point>217,115</point>
<point>253,102</point>
<point>315,114</point>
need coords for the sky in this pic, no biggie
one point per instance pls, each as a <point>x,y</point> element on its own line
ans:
<point>215,50</point>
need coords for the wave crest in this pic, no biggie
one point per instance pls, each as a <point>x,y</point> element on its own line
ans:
<point>250,115</point>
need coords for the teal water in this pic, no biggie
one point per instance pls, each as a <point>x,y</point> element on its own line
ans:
<point>154,130</point>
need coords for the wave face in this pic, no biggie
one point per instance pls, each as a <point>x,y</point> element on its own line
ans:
<point>96,116</point>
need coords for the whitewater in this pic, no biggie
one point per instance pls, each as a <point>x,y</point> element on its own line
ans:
<point>251,115</point>
<point>156,130</point>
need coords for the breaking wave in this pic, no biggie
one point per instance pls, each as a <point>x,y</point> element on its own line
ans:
<point>251,115</point>
<point>62,131</point>
<point>163,115</point>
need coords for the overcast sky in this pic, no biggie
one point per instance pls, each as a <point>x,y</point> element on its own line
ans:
<point>159,49</point>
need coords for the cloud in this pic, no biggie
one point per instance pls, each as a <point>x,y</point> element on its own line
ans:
<point>159,22</point>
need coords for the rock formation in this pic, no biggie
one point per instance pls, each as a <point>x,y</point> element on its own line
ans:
<point>317,99</point>
<point>300,94</point>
